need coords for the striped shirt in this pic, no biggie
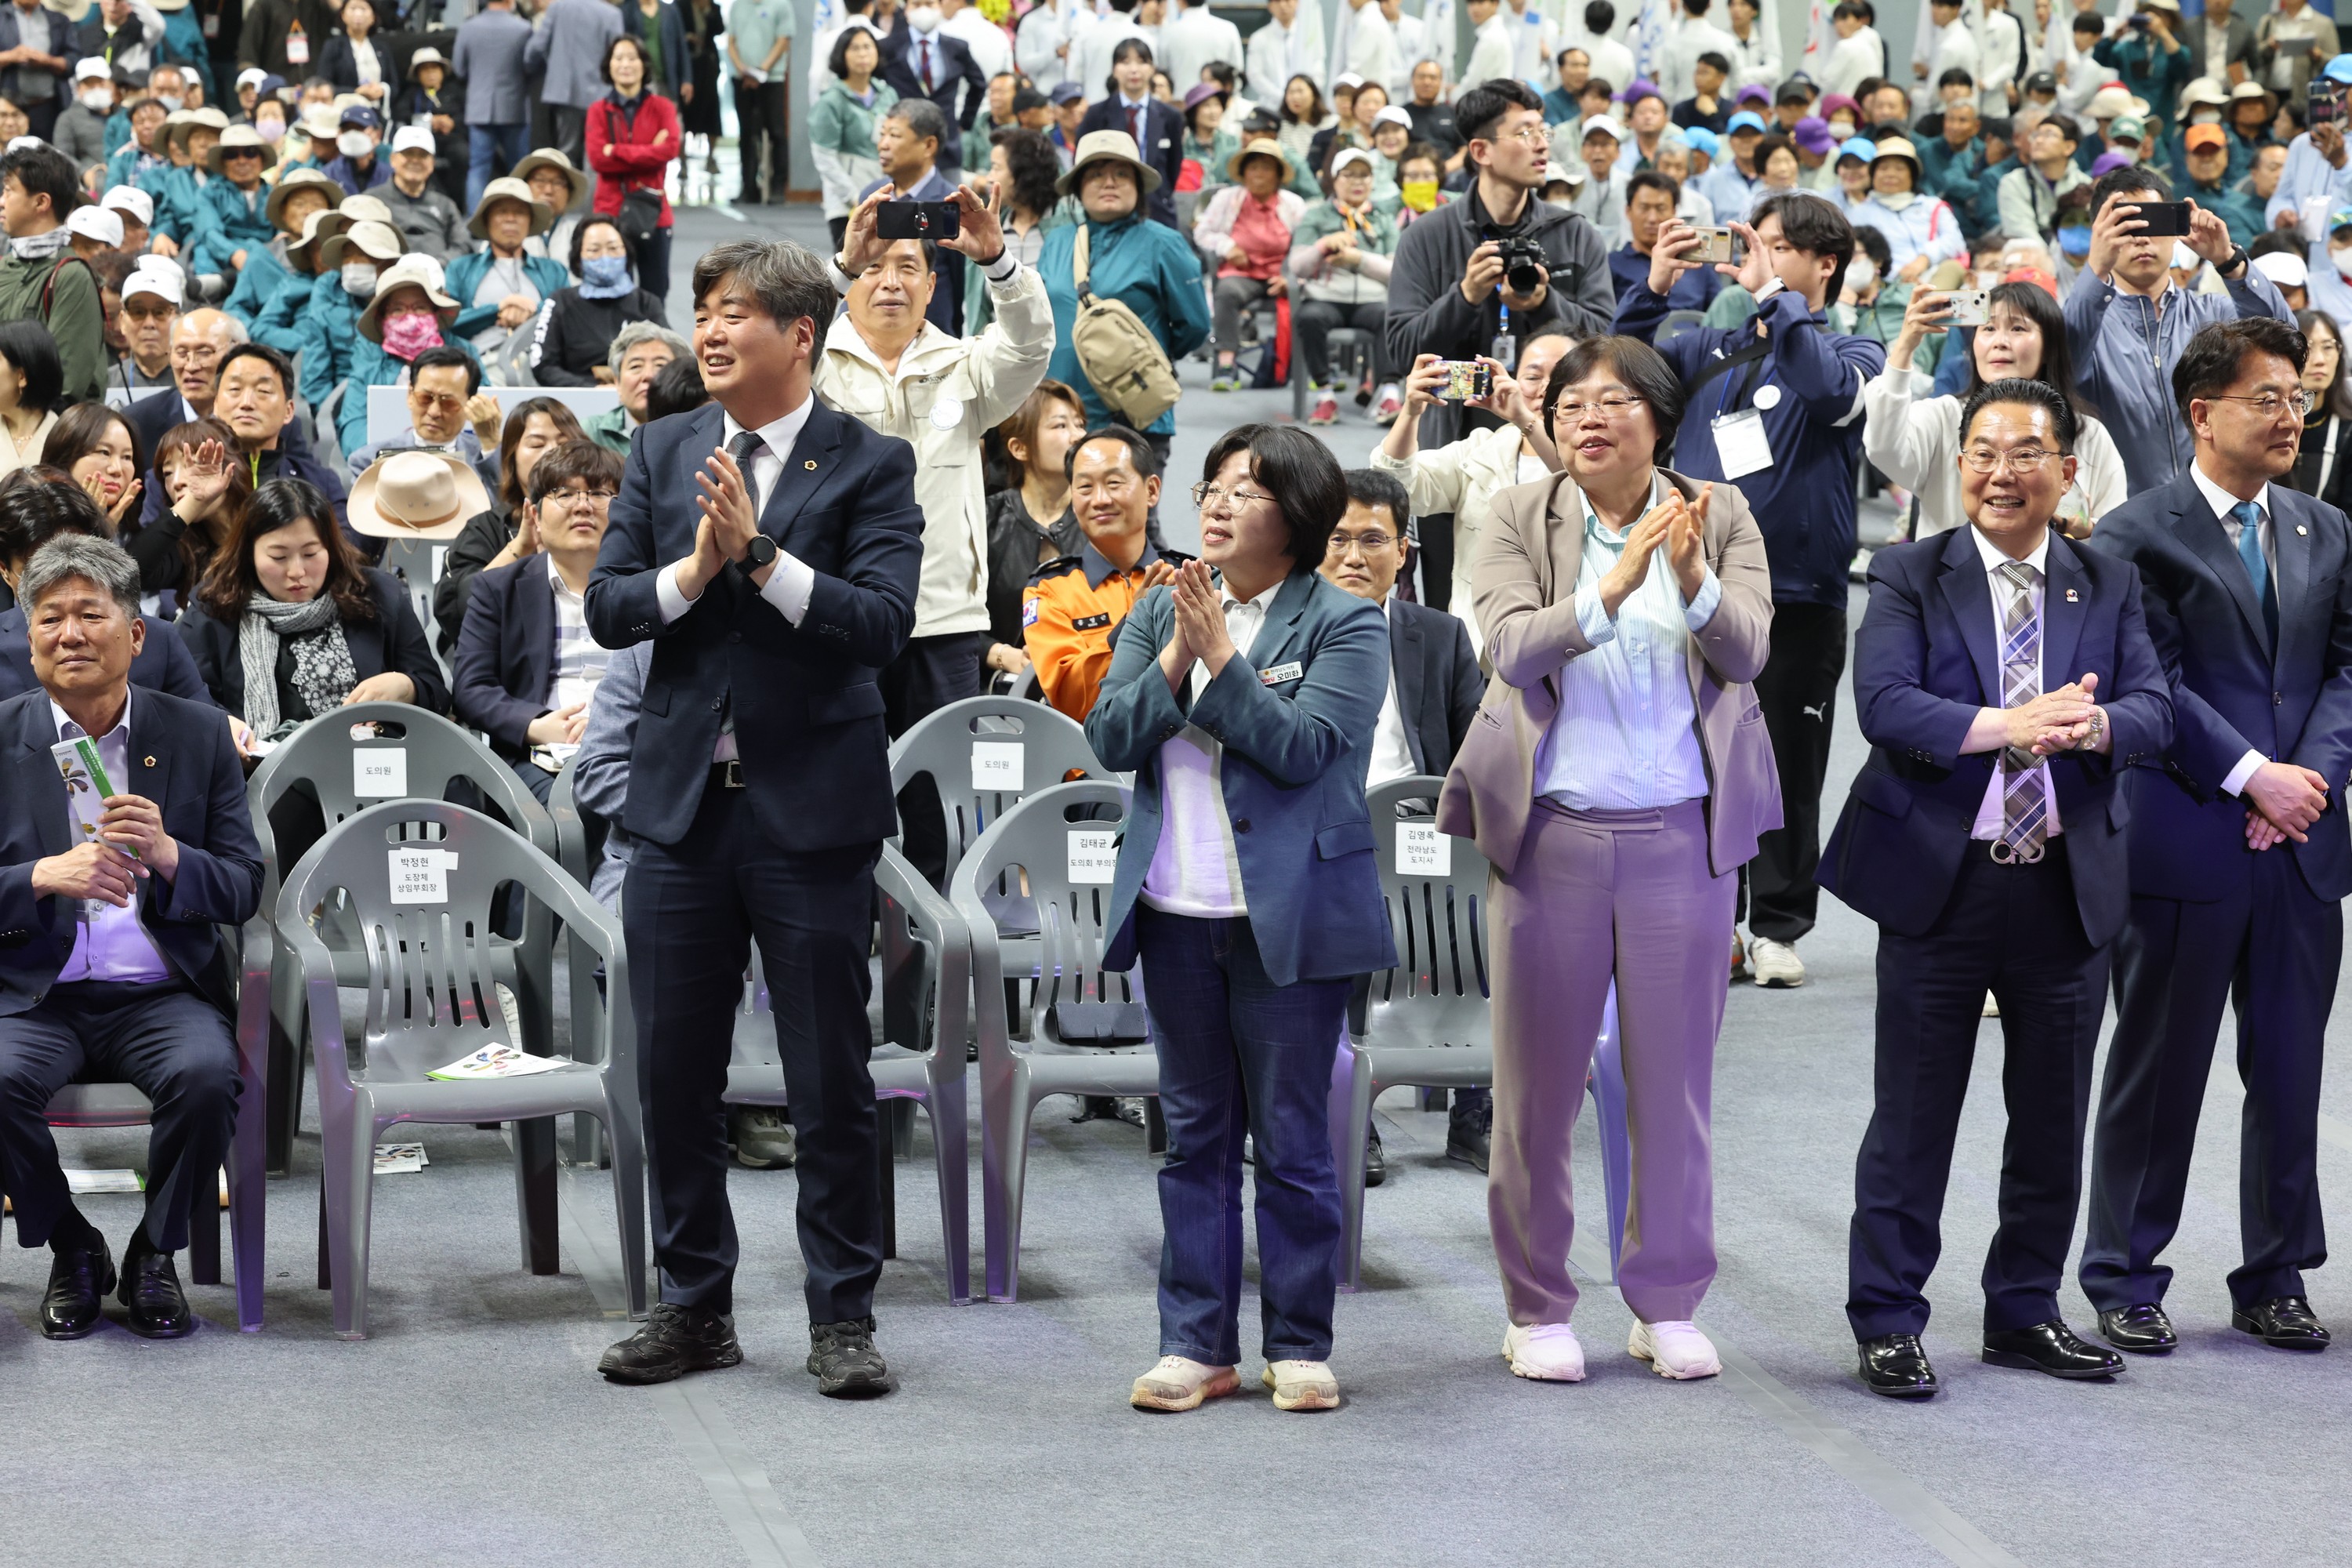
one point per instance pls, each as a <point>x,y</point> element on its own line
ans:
<point>1626,737</point>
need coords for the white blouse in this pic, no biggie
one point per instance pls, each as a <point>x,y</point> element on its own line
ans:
<point>1915,440</point>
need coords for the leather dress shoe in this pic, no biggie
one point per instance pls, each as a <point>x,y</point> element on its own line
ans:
<point>2051,1348</point>
<point>78,1280</point>
<point>2142,1329</point>
<point>1894,1365</point>
<point>157,1308</point>
<point>2286,1321</point>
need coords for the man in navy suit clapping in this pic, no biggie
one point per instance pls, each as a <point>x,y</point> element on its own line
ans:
<point>2240,860</point>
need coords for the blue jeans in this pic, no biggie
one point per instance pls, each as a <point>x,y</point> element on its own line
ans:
<point>496,149</point>
<point>1239,1053</point>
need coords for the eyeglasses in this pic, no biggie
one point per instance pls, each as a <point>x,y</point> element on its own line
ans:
<point>1213,498</point>
<point>1526,136</point>
<point>2269,403</point>
<point>1611,408</point>
<point>2023,460</point>
<point>1370,543</point>
<point>570,496</point>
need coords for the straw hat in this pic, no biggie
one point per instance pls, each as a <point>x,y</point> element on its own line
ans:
<point>319,124</point>
<point>409,271</point>
<point>542,216</point>
<point>554,158</point>
<point>75,10</point>
<point>294,180</point>
<point>415,494</point>
<point>367,209</point>
<point>1263,147</point>
<point>1116,147</point>
<point>178,127</point>
<point>236,137</point>
<point>2206,92</point>
<point>1896,147</point>
<point>376,241</point>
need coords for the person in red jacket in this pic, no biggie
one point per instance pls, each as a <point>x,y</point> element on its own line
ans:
<point>633,136</point>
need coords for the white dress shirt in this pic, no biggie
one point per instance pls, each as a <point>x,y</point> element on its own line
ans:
<point>1626,737</point>
<point>109,943</point>
<point>2222,500</point>
<point>1988,810</point>
<point>1195,869</point>
<point>1392,751</point>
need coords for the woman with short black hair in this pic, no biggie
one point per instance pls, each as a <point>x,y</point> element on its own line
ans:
<point>2324,459</point>
<point>1246,703</point>
<point>32,390</point>
<point>576,327</point>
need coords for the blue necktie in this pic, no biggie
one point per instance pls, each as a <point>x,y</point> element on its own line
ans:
<point>2250,550</point>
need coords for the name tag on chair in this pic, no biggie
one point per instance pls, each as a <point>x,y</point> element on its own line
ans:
<point>1423,851</point>
<point>379,772</point>
<point>421,876</point>
<point>1094,856</point>
<point>1282,673</point>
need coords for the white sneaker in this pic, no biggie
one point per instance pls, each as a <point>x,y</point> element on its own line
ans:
<point>1388,404</point>
<point>1301,1385</point>
<point>1674,1350</point>
<point>1548,1353</point>
<point>1179,1384</point>
<point>1774,963</point>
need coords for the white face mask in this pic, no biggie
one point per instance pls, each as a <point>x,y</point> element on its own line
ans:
<point>1861,272</point>
<point>170,104</point>
<point>354,144</point>
<point>359,278</point>
<point>97,102</point>
<point>2342,255</point>
<point>924,18</point>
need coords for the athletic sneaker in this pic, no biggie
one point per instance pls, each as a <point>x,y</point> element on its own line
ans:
<point>1179,1383</point>
<point>1775,963</point>
<point>1327,408</point>
<point>1674,1350</point>
<point>1547,1352</point>
<point>1301,1385</point>
<point>1389,404</point>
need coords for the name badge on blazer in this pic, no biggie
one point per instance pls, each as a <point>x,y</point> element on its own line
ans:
<point>1282,673</point>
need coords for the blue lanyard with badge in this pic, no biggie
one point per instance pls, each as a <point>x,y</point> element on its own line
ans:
<point>1742,445</point>
<point>1505,350</point>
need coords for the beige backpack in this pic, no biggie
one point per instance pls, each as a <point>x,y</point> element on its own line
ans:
<point>1130,370</point>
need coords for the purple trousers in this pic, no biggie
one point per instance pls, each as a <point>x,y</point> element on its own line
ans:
<point>1599,895</point>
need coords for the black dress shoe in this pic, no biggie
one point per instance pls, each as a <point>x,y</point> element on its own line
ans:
<point>1469,1127</point>
<point>151,1293</point>
<point>78,1280</point>
<point>675,1340</point>
<point>1376,1159</point>
<point>845,1360</point>
<point>2143,1330</point>
<point>2286,1321</point>
<point>1894,1365</point>
<point>2051,1348</point>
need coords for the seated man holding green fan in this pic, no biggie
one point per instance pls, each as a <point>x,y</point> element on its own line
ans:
<point>124,841</point>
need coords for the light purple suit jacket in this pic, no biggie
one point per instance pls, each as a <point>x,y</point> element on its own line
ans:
<point>1524,588</point>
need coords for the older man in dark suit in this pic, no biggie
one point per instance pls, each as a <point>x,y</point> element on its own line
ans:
<point>109,964</point>
<point>2002,678</point>
<point>33,513</point>
<point>760,791</point>
<point>2240,860</point>
<point>937,66</point>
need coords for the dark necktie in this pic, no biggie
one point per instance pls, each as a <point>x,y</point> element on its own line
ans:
<point>1135,125</point>
<point>743,448</point>
<point>2258,566</point>
<point>926,64</point>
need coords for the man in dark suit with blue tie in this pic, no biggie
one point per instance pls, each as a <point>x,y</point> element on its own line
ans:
<point>2002,678</point>
<point>2240,859</point>
<point>938,66</point>
<point>112,969</point>
<point>759,792</point>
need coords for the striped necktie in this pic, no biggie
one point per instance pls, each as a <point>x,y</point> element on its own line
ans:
<point>2025,778</point>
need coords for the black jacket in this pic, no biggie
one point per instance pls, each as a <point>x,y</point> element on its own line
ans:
<point>336,64</point>
<point>957,85</point>
<point>163,663</point>
<point>392,643</point>
<point>575,332</point>
<point>485,534</point>
<point>1438,686</point>
<point>506,657</point>
<point>1013,536</point>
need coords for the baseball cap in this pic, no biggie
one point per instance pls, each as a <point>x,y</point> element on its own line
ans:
<point>132,200</point>
<point>2285,268</point>
<point>409,139</point>
<point>2108,163</point>
<point>1699,139</point>
<point>1814,135</point>
<point>252,77</point>
<point>2042,81</point>
<point>93,69</point>
<point>1350,156</point>
<point>1068,92</point>
<point>1347,79</point>
<point>1745,121</point>
<point>2127,127</point>
<point>1754,92</point>
<point>2340,218</point>
<point>103,224</point>
<point>2197,137</point>
<point>161,282</point>
<point>2339,69</point>
<point>1391,115</point>
<point>1601,124</point>
<point>1861,147</point>
<point>361,115</point>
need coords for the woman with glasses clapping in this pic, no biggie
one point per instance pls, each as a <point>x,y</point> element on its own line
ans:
<point>1617,778</point>
<point>1244,696</point>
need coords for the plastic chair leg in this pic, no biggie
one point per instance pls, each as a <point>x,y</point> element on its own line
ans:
<point>951,1153</point>
<point>1351,1113</point>
<point>534,1149</point>
<point>282,1109</point>
<point>248,1201</point>
<point>629,1206</point>
<point>1004,1169</point>
<point>349,1191</point>
<point>1609,1108</point>
<point>885,1176</point>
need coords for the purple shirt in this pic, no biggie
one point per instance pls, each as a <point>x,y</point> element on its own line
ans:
<point>109,943</point>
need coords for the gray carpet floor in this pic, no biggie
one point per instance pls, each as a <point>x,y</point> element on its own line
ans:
<point>471,1428</point>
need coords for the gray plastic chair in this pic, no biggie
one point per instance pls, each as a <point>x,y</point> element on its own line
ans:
<point>433,753</point>
<point>924,976</point>
<point>1071,996</point>
<point>121,1105</point>
<point>1430,1022</point>
<point>983,754</point>
<point>578,842</point>
<point>429,963</point>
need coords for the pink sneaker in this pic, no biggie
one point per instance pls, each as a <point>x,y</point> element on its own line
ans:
<point>1327,408</point>
<point>1388,404</point>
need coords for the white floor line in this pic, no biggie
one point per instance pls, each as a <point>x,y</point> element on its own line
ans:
<point>738,1486</point>
<point>1903,1499</point>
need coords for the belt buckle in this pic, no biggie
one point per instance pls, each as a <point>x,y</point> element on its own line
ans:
<point>730,774</point>
<point>2004,852</point>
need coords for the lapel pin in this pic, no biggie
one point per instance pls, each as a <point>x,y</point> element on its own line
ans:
<point>810,464</point>
<point>2299,530</point>
<point>149,763</point>
<point>2073,597</point>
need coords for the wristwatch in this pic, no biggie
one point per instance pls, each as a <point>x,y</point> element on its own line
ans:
<point>760,554</point>
<point>2238,260</point>
<point>2098,729</point>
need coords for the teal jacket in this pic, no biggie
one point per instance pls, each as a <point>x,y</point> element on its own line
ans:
<point>127,166</point>
<point>1148,267</point>
<point>228,221</point>
<point>837,123</point>
<point>465,274</point>
<point>373,367</point>
<point>179,205</point>
<point>2241,210</point>
<point>279,321</point>
<point>257,284</point>
<point>330,325</point>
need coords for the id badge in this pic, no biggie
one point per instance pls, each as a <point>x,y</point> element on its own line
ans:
<point>297,49</point>
<point>1740,444</point>
<point>1506,351</point>
<point>212,25</point>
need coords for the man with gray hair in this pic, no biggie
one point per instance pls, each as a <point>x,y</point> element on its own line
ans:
<point>639,351</point>
<point>907,142</point>
<point>119,862</point>
<point>759,793</point>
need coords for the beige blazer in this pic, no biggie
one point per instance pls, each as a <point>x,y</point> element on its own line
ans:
<point>1524,594</point>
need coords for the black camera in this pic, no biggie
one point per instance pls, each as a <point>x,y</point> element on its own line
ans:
<point>1526,269</point>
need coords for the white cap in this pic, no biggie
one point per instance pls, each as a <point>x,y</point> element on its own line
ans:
<point>1391,115</point>
<point>412,139</point>
<point>101,224</point>
<point>1345,78</point>
<point>252,76</point>
<point>2285,268</point>
<point>132,200</point>
<point>93,69</point>
<point>1603,123</point>
<point>1348,156</point>
<point>153,280</point>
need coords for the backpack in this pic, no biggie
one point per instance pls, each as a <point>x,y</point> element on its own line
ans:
<point>1125,363</point>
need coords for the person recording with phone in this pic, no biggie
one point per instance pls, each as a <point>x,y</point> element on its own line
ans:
<point>2317,178</point>
<point>908,142</point>
<point>2125,306</point>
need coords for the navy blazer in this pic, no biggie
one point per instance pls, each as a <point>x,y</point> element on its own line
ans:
<point>506,654</point>
<point>2232,692</point>
<point>1438,684</point>
<point>1163,148</point>
<point>808,713</point>
<point>163,663</point>
<point>953,72</point>
<point>393,642</point>
<point>1925,661</point>
<point>1293,774</point>
<point>182,759</point>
